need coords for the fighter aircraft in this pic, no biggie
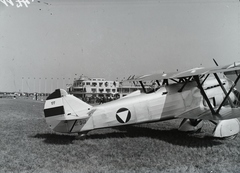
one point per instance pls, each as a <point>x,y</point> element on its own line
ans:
<point>195,95</point>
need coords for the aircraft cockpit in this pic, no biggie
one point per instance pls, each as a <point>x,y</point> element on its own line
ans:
<point>154,87</point>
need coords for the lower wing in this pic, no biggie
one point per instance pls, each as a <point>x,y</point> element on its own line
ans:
<point>205,114</point>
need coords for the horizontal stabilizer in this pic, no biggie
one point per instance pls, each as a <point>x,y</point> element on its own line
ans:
<point>205,114</point>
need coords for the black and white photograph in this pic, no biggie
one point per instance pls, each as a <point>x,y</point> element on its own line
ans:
<point>119,86</point>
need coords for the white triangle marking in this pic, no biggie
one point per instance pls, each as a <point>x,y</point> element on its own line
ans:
<point>123,115</point>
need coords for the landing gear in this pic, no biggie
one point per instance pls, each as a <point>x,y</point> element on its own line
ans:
<point>191,125</point>
<point>81,136</point>
<point>227,129</point>
<point>230,137</point>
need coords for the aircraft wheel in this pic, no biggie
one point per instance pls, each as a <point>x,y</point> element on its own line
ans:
<point>231,137</point>
<point>227,129</point>
<point>188,125</point>
<point>81,136</point>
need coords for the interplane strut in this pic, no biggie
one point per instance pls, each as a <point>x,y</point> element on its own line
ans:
<point>234,84</point>
<point>227,94</point>
<point>204,94</point>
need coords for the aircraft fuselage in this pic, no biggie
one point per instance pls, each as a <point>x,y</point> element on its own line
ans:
<point>163,104</point>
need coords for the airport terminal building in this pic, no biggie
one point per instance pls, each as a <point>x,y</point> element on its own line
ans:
<point>86,87</point>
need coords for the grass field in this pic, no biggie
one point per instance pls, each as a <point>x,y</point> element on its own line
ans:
<point>28,145</point>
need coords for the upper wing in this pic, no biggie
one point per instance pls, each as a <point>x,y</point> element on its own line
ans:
<point>187,73</point>
<point>212,113</point>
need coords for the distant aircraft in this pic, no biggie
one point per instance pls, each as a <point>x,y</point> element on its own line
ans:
<point>194,95</point>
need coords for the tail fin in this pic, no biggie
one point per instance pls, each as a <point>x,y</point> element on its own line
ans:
<point>61,110</point>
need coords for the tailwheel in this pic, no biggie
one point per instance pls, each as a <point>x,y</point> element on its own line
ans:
<point>227,129</point>
<point>81,136</point>
<point>191,125</point>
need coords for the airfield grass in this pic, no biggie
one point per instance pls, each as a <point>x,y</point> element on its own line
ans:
<point>28,145</point>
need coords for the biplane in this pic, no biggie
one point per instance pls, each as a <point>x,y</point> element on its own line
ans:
<point>195,95</point>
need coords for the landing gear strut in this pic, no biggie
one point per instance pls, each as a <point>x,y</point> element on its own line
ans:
<point>191,125</point>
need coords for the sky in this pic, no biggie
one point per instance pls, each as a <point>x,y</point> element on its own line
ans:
<point>49,43</point>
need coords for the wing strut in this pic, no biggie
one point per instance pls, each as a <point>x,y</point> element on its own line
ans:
<point>204,94</point>
<point>224,90</point>
<point>165,82</point>
<point>234,84</point>
<point>205,79</point>
<point>185,83</point>
<point>158,82</point>
<point>144,89</point>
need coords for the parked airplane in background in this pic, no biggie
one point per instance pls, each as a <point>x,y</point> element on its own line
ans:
<point>194,95</point>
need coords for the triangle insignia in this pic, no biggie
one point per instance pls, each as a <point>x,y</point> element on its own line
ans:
<point>123,115</point>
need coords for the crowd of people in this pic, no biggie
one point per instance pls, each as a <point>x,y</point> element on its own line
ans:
<point>99,100</point>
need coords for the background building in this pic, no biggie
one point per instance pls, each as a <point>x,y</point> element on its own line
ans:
<point>86,88</point>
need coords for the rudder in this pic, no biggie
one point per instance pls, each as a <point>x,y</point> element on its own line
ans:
<point>61,110</point>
